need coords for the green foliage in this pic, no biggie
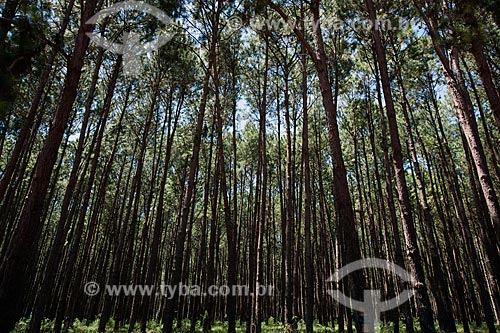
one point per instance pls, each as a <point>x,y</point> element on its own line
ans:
<point>269,326</point>
<point>18,52</point>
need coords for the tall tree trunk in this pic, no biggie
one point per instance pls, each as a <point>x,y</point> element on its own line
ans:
<point>229,219</point>
<point>20,144</point>
<point>62,228</point>
<point>345,219</point>
<point>309,265</point>
<point>79,226</point>
<point>437,277</point>
<point>17,267</point>
<point>398,249</point>
<point>424,310</point>
<point>465,114</point>
<point>291,296</point>
<point>254,323</point>
<point>158,222</point>
<point>467,10</point>
<point>171,306</point>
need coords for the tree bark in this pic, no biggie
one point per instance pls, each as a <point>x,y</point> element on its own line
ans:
<point>465,114</point>
<point>467,10</point>
<point>424,310</point>
<point>309,265</point>
<point>17,267</point>
<point>171,305</point>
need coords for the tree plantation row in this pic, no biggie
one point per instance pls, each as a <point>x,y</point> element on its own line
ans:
<point>149,149</point>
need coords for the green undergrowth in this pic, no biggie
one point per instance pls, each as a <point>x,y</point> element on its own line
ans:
<point>153,326</point>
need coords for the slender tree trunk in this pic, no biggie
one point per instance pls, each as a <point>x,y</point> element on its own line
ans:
<point>171,305</point>
<point>254,324</point>
<point>437,277</point>
<point>289,207</point>
<point>157,229</point>
<point>59,237</point>
<point>467,10</point>
<point>424,310</point>
<point>17,267</point>
<point>309,265</point>
<point>80,220</point>
<point>20,144</point>
<point>465,114</point>
<point>345,219</point>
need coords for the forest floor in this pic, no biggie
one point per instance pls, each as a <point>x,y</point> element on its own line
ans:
<point>219,327</point>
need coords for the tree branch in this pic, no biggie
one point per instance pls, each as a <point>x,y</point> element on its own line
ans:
<point>296,31</point>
